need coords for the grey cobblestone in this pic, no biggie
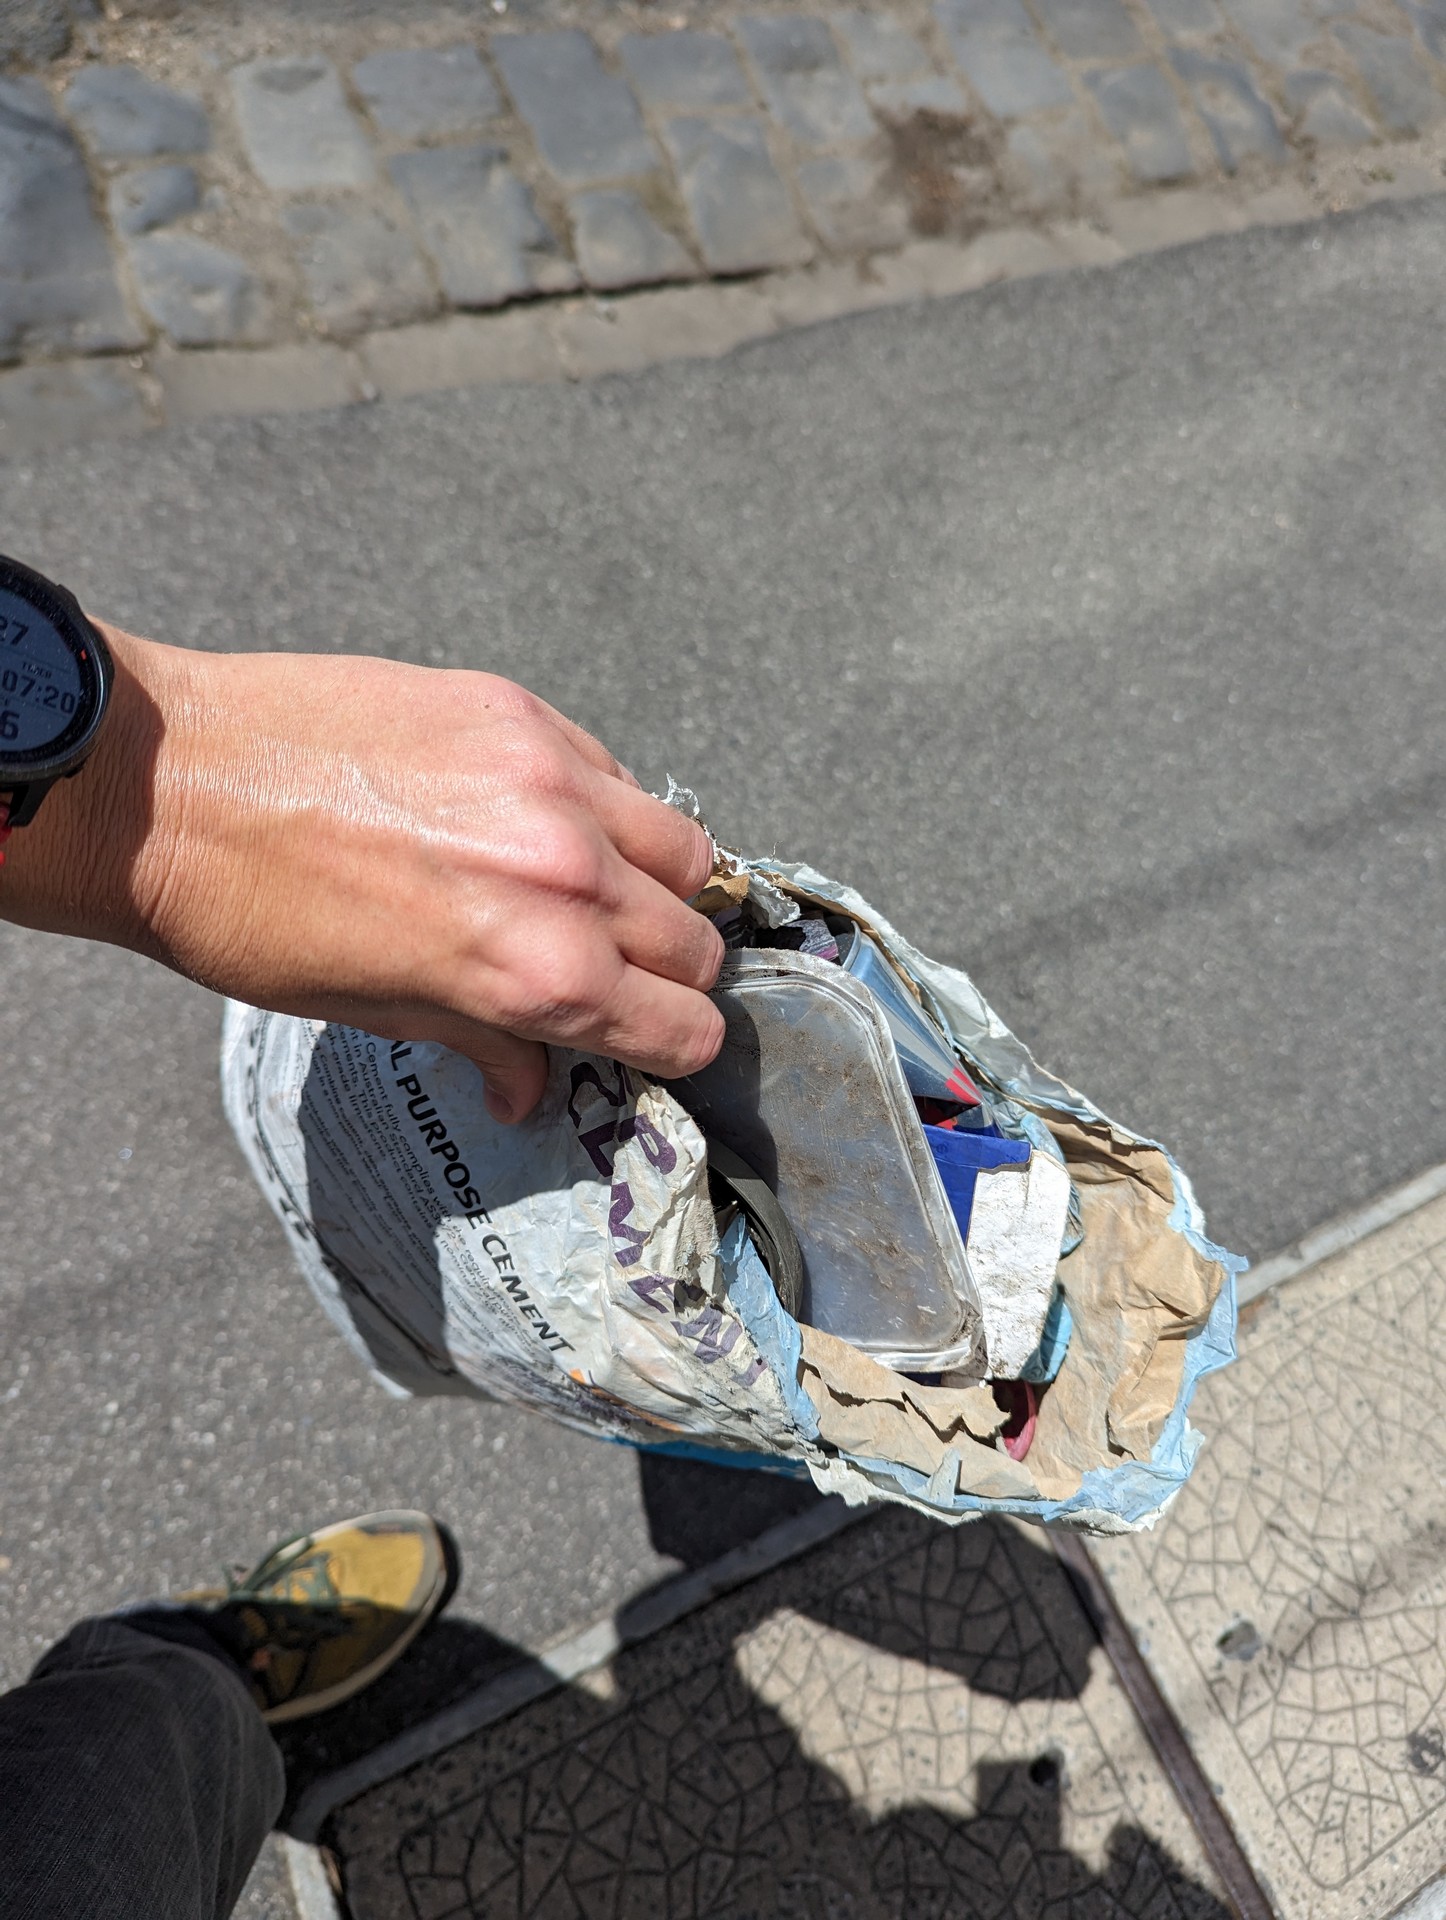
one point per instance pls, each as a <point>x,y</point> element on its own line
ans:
<point>1091,29</point>
<point>851,203</point>
<point>1052,159</point>
<point>871,135</point>
<point>58,288</point>
<point>620,244</point>
<point>1240,122</point>
<point>1430,19</point>
<point>300,134</point>
<point>811,92</point>
<point>1325,111</point>
<point>1187,19</point>
<point>1039,178</point>
<point>1139,109</point>
<point>1278,30</point>
<point>361,270</point>
<point>33,30</point>
<point>739,205</point>
<point>684,70</point>
<point>1000,53</point>
<point>480,225</point>
<point>198,294</point>
<point>1405,100</point>
<point>152,197</point>
<point>933,93</point>
<point>879,47</point>
<point>583,118</point>
<point>428,93</point>
<point>125,116</point>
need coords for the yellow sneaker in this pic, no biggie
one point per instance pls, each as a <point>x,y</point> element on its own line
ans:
<point>325,1614</point>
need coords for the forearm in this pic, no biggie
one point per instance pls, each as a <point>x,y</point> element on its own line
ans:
<point>424,853</point>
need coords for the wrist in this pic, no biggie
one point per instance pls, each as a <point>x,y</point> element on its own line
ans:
<point>86,863</point>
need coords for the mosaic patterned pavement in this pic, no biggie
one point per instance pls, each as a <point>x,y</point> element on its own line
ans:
<point>916,1722</point>
<point>906,1721</point>
<point>1293,1606</point>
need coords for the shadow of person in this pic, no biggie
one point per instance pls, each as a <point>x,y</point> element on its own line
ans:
<point>697,1510</point>
<point>968,1619</point>
<point>452,1658</point>
<point>746,1765</point>
<point>885,1727</point>
<point>821,1857</point>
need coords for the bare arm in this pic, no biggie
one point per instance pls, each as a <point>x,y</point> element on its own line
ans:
<point>429,855</point>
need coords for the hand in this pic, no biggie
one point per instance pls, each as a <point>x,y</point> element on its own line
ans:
<point>426,854</point>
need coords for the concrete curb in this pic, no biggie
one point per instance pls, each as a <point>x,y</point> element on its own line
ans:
<point>45,405</point>
<point>310,1888</point>
<point>1428,1904</point>
<point>565,1662</point>
<point>1339,1234</point>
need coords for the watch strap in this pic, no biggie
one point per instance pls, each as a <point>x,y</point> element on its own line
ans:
<point>19,809</point>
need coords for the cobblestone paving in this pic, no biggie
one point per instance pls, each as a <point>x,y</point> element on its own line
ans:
<point>908,1721</point>
<point>211,192</point>
<point>1294,1605</point>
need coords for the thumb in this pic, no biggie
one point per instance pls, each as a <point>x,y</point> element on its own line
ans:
<point>515,1070</point>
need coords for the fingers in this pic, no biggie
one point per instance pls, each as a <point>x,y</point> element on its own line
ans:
<point>628,982</point>
<point>514,1070</point>
<point>651,836</point>
<point>655,1025</point>
<point>655,931</point>
<point>654,838</point>
<point>660,1027</point>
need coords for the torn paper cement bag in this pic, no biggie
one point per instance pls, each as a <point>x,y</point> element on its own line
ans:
<point>574,1265</point>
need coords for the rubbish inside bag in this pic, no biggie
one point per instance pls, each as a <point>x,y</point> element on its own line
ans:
<point>874,1242</point>
<point>807,1090</point>
<point>961,1157</point>
<point>932,1070</point>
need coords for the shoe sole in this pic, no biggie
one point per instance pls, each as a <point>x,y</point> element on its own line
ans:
<point>445,1585</point>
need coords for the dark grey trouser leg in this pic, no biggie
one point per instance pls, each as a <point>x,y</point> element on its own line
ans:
<point>137,1779</point>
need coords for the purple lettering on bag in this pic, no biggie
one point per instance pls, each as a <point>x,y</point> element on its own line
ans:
<point>655,1290</point>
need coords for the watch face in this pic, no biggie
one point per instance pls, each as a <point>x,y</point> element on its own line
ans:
<point>50,681</point>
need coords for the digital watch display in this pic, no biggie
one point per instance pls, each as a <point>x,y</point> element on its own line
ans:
<point>55,676</point>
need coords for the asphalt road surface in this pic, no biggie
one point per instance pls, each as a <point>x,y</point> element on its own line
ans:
<point>1094,627</point>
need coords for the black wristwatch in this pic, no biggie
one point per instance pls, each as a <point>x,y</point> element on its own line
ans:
<point>55,680</point>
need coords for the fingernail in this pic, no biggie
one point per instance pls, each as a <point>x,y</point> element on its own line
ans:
<point>497,1106</point>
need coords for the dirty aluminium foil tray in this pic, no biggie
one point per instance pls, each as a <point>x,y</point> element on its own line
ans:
<point>809,1091</point>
